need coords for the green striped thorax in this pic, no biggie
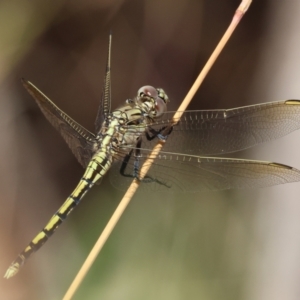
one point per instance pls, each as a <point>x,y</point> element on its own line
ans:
<point>150,103</point>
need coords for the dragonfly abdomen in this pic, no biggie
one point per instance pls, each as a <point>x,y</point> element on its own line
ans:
<point>95,170</point>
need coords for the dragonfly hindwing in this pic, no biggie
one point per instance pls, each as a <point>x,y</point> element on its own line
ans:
<point>79,139</point>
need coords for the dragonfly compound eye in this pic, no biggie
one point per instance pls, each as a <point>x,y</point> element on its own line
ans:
<point>161,102</point>
<point>160,106</point>
<point>162,95</point>
<point>149,91</point>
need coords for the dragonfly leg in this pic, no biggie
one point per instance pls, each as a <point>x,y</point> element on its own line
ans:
<point>136,168</point>
<point>161,134</point>
<point>124,165</point>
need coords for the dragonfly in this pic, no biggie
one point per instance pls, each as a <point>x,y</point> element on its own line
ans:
<point>124,138</point>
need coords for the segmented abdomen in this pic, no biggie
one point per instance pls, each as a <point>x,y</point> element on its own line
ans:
<point>97,167</point>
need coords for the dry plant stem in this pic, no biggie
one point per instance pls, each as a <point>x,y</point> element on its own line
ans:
<point>146,166</point>
<point>236,19</point>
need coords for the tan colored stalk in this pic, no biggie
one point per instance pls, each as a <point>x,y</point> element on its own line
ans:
<point>244,5</point>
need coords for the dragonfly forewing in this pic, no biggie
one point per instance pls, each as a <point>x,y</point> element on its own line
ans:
<point>211,132</point>
<point>105,104</point>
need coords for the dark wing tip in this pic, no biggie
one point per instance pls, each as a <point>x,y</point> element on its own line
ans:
<point>292,102</point>
<point>25,82</point>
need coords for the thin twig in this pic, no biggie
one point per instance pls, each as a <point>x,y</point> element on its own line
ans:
<point>146,166</point>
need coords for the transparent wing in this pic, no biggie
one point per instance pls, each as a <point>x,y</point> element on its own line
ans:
<point>79,139</point>
<point>104,107</point>
<point>210,132</point>
<point>185,173</point>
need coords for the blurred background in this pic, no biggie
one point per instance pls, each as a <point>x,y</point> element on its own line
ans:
<point>215,245</point>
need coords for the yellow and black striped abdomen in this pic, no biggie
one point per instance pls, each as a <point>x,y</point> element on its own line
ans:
<point>95,170</point>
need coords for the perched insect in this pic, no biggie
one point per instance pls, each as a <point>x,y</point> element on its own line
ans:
<point>124,138</point>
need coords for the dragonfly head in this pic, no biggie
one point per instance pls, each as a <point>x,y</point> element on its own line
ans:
<point>152,100</point>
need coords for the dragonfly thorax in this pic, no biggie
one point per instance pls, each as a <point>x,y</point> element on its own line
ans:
<point>125,125</point>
